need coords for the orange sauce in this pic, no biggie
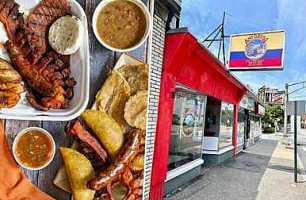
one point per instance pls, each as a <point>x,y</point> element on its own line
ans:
<point>34,149</point>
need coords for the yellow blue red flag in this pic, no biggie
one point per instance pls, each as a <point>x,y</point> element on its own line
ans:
<point>257,51</point>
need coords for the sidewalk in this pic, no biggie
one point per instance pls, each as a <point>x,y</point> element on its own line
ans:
<point>263,172</point>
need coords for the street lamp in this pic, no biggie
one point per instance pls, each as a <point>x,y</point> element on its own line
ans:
<point>287,93</point>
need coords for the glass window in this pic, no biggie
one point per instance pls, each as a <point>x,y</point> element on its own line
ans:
<point>212,117</point>
<point>227,125</point>
<point>255,126</point>
<point>187,127</point>
<point>241,127</point>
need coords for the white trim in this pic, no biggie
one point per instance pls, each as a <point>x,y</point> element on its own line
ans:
<point>148,159</point>
<point>259,32</point>
<point>221,151</point>
<point>183,169</point>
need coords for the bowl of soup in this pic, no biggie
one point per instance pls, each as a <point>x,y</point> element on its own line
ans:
<point>121,25</point>
<point>34,148</point>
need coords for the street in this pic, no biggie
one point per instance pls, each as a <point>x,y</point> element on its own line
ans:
<point>262,172</point>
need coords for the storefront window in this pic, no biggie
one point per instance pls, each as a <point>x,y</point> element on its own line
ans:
<point>187,127</point>
<point>255,126</point>
<point>227,125</point>
<point>241,127</point>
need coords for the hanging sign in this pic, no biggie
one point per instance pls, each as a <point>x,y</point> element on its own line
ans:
<point>257,51</point>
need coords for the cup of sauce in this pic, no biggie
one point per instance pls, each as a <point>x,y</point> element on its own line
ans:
<point>34,148</point>
<point>121,25</point>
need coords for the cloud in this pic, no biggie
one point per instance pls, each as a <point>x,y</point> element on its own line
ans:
<point>244,16</point>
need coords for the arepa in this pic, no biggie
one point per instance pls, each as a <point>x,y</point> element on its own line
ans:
<point>66,34</point>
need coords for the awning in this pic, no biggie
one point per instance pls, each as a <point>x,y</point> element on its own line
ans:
<point>187,62</point>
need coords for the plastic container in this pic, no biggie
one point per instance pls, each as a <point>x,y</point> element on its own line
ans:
<point>23,132</point>
<point>79,63</point>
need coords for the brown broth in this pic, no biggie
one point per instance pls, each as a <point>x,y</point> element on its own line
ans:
<point>121,24</point>
<point>34,149</point>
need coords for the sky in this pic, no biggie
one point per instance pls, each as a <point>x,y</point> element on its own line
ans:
<point>245,16</point>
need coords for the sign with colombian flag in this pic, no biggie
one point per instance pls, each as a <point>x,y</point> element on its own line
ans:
<point>257,51</point>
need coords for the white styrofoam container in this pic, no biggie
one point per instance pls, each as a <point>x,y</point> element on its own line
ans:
<point>79,64</point>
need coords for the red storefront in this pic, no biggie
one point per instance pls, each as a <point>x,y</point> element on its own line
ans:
<point>188,66</point>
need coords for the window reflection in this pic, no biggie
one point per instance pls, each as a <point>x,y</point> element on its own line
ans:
<point>227,125</point>
<point>187,127</point>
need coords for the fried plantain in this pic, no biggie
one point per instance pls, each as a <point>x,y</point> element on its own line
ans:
<point>9,75</point>
<point>8,99</point>
<point>12,87</point>
<point>5,65</point>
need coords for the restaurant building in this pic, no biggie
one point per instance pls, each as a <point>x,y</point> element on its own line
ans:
<point>195,105</point>
<point>197,113</point>
<point>251,111</point>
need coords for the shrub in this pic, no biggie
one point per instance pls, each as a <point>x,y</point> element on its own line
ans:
<point>269,130</point>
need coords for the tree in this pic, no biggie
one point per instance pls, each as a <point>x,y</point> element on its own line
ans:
<point>273,113</point>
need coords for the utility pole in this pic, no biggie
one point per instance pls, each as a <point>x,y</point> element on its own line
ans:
<point>218,35</point>
<point>287,93</point>
<point>285,111</point>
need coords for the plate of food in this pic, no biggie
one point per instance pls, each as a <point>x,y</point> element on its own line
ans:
<point>109,145</point>
<point>44,60</point>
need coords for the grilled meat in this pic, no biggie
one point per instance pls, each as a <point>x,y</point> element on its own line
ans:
<point>29,73</point>
<point>40,67</point>
<point>41,19</point>
<point>76,128</point>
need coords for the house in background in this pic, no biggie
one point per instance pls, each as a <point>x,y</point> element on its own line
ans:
<point>271,95</point>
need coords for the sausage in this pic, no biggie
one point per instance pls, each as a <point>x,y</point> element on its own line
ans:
<point>126,155</point>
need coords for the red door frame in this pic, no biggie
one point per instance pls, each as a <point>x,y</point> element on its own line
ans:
<point>187,62</point>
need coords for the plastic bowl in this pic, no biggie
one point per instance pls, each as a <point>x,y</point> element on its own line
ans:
<point>149,26</point>
<point>23,132</point>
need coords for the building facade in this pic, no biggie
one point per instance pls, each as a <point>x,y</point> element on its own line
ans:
<point>194,106</point>
<point>271,95</point>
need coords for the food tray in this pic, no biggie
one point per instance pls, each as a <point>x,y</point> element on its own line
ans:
<point>79,70</point>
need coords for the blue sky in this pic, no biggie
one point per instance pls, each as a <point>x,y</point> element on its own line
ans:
<point>244,16</point>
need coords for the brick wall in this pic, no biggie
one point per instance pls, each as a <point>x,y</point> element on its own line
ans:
<point>156,63</point>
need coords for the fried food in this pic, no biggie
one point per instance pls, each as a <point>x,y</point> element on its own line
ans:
<point>8,99</point>
<point>5,65</point>
<point>136,75</point>
<point>12,87</point>
<point>9,75</point>
<point>112,98</point>
<point>106,129</point>
<point>135,111</point>
<point>138,163</point>
<point>79,171</point>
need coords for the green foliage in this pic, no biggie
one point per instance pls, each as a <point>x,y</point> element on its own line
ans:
<point>269,130</point>
<point>273,113</point>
